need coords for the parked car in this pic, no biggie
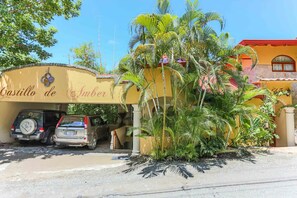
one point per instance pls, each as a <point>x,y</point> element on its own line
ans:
<point>32,124</point>
<point>80,130</point>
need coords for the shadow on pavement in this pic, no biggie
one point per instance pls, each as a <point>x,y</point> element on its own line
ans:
<point>18,152</point>
<point>149,168</point>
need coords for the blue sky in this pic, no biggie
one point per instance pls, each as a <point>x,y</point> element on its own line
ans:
<point>106,23</point>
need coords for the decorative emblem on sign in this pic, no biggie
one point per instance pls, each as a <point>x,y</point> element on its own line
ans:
<point>47,79</point>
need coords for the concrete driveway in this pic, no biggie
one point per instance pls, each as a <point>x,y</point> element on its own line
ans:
<point>38,161</point>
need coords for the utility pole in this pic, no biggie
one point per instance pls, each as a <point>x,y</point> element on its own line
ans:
<point>69,63</point>
<point>99,46</point>
<point>114,43</point>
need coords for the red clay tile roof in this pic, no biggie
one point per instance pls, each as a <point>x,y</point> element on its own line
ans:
<point>278,79</point>
<point>289,42</point>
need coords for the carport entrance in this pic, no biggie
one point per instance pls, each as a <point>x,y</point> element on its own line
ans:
<point>53,86</point>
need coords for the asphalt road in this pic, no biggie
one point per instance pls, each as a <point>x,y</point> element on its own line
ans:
<point>47,172</point>
<point>272,188</point>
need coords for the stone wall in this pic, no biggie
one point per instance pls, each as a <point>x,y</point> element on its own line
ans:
<point>265,71</point>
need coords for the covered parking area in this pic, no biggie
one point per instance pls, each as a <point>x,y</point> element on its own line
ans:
<point>54,86</point>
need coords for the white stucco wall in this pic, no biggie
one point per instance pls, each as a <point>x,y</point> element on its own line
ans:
<point>281,129</point>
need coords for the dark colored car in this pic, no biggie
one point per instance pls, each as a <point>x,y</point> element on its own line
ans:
<point>36,125</point>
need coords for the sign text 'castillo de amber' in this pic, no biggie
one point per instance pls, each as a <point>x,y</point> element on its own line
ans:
<point>31,91</point>
<point>58,83</point>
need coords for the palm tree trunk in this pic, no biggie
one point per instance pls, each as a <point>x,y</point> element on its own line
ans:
<point>148,110</point>
<point>202,99</point>
<point>164,107</point>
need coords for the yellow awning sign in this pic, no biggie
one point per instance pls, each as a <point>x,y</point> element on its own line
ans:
<point>58,83</point>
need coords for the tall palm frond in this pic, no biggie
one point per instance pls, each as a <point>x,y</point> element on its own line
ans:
<point>212,16</point>
<point>134,40</point>
<point>163,6</point>
<point>240,50</point>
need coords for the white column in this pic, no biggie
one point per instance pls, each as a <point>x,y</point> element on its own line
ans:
<point>290,126</point>
<point>136,130</point>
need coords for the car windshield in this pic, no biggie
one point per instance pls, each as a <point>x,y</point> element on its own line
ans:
<point>37,116</point>
<point>72,121</point>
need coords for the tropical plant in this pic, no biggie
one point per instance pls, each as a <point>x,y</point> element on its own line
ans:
<point>132,70</point>
<point>157,37</point>
<point>206,106</point>
<point>153,127</point>
<point>257,129</point>
<point>108,113</point>
<point>25,30</point>
<point>85,55</point>
<point>195,132</point>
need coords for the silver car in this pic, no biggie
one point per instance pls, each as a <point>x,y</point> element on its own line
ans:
<point>80,130</point>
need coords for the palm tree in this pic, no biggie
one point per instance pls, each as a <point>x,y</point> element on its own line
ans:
<point>131,70</point>
<point>160,39</point>
<point>157,35</point>
<point>204,84</point>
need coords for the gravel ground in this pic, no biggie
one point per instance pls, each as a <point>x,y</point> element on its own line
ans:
<point>100,174</point>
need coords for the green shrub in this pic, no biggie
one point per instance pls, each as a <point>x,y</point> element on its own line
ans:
<point>108,113</point>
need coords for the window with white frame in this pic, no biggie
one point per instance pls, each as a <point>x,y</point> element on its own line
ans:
<point>283,63</point>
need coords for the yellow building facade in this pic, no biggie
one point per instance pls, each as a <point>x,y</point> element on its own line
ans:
<point>276,70</point>
<point>53,86</point>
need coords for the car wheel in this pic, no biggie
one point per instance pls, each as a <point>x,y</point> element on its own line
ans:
<point>50,139</point>
<point>43,141</point>
<point>93,144</point>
